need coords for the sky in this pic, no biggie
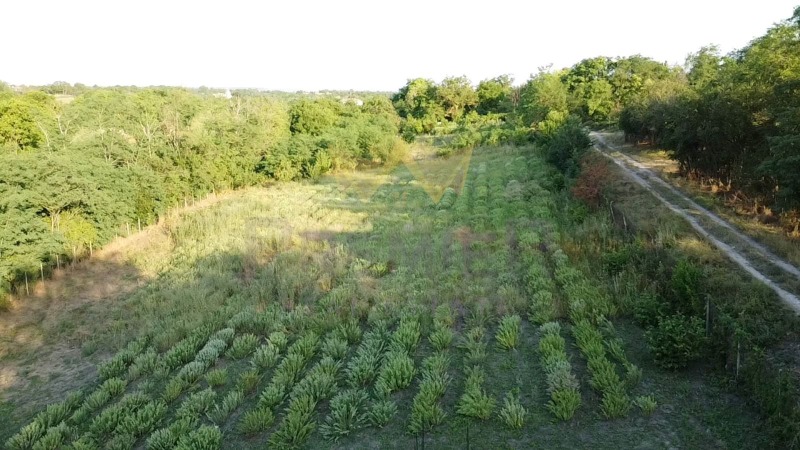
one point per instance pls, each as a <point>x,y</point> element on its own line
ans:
<point>345,44</point>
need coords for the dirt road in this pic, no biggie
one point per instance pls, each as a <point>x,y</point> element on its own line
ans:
<point>751,256</point>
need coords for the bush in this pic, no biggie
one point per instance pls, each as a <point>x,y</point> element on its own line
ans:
<point>677,341</point>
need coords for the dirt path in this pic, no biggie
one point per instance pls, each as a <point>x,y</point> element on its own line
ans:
<point>781,276</point>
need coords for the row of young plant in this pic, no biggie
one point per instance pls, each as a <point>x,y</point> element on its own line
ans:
<point>588,308</point>
<point>426,408</point>
<point>85,422</point>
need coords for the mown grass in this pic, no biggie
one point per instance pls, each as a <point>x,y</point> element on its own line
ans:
<point>329,253</point>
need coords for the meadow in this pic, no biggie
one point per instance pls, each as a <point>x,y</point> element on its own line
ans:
<point>445,303</point>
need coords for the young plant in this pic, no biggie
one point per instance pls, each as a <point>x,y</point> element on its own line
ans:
<point>256,421</point>
<point>474,402</point>
<point>513,413</point>
<point>217,377</point>
<point>564,402</point>
<point>243,346</point>
<point>508,332</point>
<point>265,357</point>
<point>381,412</point>
<point>219,414</point>
<point>346,415</point>
<point>647,403</point>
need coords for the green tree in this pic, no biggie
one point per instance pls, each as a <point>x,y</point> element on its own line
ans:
<point>456,96</point>
<point>494,95</point>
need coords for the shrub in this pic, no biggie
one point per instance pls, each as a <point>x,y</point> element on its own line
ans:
<point>256,421</point>
<point>676,341</point>
<point>647,403</point>
<point>346,415</point>
<point>167,438</point>
<point>243,346</point>
<point>508,332</point>
<point>217,377</point>
<point>564,402</point>
<point>513,413</point>
<point>592,180</point>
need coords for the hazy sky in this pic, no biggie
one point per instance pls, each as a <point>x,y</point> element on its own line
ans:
<point>346,44</point>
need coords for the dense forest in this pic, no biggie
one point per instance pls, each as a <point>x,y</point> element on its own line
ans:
<point>75,173</point>
<point>79,164</point>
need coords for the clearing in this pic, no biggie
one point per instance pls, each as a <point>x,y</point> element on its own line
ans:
<point>307,315</point>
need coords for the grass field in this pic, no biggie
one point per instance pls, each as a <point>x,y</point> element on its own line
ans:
<point>368,310</point>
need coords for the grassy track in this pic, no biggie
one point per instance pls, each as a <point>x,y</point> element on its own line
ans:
<point>303,260</point>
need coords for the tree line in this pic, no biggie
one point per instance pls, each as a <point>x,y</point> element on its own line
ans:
<point>732,119</point>
<point>74,173</point>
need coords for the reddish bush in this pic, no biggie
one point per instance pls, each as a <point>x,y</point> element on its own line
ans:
<point>592,179</point>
